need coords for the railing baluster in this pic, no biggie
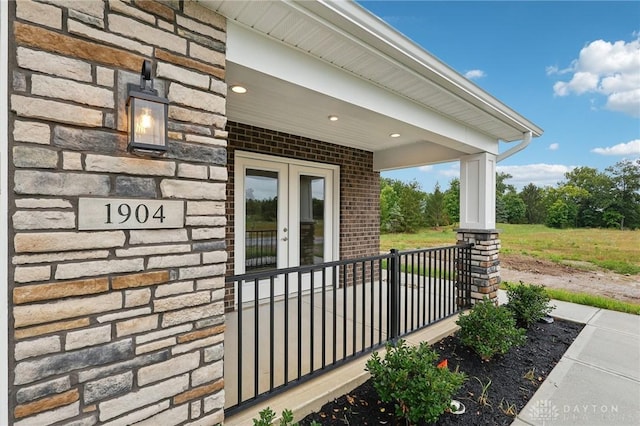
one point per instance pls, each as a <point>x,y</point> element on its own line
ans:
<point>364,305</point>
<point>413,286</point>
<point>430,304</point>
<point>239,339</point>
<point>311,321</point>
<point>256,333</point>
<point>344,311</point>
<point>440,284</point>
<point>379,301</point>
<point>335,311</point>
<point>425,277</point>
<point>406,293</point>
<point>271,331</point>
<point>299,286</point>
<point>354,308</point>
<point>394,299</point>
<point>286,328</point>
<point>324,316</point>
<point>371,308</point>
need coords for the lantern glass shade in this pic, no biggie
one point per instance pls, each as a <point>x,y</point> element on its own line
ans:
<point>147,123</point>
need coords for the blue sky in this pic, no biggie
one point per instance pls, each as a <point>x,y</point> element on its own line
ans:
<point>571,67</point>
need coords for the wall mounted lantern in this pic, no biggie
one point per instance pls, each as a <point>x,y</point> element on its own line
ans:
<point>147,115</point>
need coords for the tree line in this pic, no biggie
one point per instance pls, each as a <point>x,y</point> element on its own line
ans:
<point>586,198</point>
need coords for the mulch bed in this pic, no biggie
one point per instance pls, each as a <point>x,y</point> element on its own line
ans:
<point>513,377</point>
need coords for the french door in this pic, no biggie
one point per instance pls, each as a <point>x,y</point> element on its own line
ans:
<point>286,214</point>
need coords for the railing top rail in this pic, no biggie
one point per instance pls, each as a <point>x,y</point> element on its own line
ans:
<point>432,249</point>
<point>303,269</point>
<point>251,276</point>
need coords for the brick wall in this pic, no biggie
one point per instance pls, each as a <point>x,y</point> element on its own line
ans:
<point>359,186</point>
<point>115,326</point>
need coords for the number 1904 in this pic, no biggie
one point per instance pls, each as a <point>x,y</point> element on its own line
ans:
<point>140,213</point>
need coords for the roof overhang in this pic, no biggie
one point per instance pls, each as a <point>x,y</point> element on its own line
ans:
<point>304,61</point>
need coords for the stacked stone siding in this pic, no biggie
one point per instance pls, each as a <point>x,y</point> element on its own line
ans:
<point>359,186</point>
<point>485,262</point>
<point>120,326</point>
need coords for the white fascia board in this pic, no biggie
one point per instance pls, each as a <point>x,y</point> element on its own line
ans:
<point>250,49</point>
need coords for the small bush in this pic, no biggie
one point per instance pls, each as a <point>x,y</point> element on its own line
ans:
<point>409,377</point>
<point>489,330</point>
<point>268,415</point>
<point>528,303</point>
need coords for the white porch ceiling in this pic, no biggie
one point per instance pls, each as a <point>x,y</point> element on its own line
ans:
<point>439,114</point>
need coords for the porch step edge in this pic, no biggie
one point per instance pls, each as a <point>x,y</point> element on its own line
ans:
<point>312,395</point>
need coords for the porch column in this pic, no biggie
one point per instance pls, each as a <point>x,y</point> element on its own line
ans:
<point>477,223</point>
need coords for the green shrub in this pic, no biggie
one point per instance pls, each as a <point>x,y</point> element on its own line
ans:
<point>409,377</point>
<point>528,303</point>
<point>268,415</point>
<point>489,329</point>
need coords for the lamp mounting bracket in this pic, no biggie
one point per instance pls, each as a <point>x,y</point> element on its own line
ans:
<point>145,75</point>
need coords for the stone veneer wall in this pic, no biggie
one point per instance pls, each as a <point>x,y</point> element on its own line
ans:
<point>485,262</point>
<point>359,186</point>
<point>115,327</point>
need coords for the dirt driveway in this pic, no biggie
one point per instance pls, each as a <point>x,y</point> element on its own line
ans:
<point>515,268</point>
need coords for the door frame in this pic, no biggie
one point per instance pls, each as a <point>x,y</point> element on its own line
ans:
<point>244,158</point>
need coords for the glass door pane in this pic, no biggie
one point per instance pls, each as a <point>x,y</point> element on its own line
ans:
<point>261,219</point>
<point>312,208</point>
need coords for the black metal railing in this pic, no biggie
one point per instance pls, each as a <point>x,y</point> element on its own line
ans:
<point>292,324</point>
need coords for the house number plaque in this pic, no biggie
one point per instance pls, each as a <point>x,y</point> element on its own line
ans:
<point>129,213</point>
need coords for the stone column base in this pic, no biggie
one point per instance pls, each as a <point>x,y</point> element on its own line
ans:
<point>485,262</point>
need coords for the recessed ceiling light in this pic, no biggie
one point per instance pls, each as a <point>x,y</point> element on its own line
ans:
<point>333,118</point>
<point>238,89</point>
<point>394,135</point>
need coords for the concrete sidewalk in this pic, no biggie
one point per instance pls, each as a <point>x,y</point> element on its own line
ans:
<point>597,381</point>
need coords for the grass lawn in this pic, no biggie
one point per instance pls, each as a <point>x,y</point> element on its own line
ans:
<point>618,251</point>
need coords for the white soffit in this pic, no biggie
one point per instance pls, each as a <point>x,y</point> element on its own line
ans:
<point>306,60</point>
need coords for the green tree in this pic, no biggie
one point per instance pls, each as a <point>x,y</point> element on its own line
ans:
<point>514,208</point>
<point>533,198</point>
<point>558,214</point>
<point>401,206</point>
<point>436,208</point>
<point>503,188</point>
<point>452,200</point>
<point>625,176</point>
<point>597,198</point>
<point>389,209</point>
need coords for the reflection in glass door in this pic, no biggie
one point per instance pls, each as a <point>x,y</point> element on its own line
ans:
<point>261,220</point>
<point>312,210</point>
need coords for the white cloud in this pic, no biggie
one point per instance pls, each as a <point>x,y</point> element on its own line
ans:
<point>621,149</point>
<point>554,70</point>
<point>453,171</point>
<point>609,69</point>
<point>426,169</point>
<point>538,174</point>
<point>475,74</point>
<point>554,147</point>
